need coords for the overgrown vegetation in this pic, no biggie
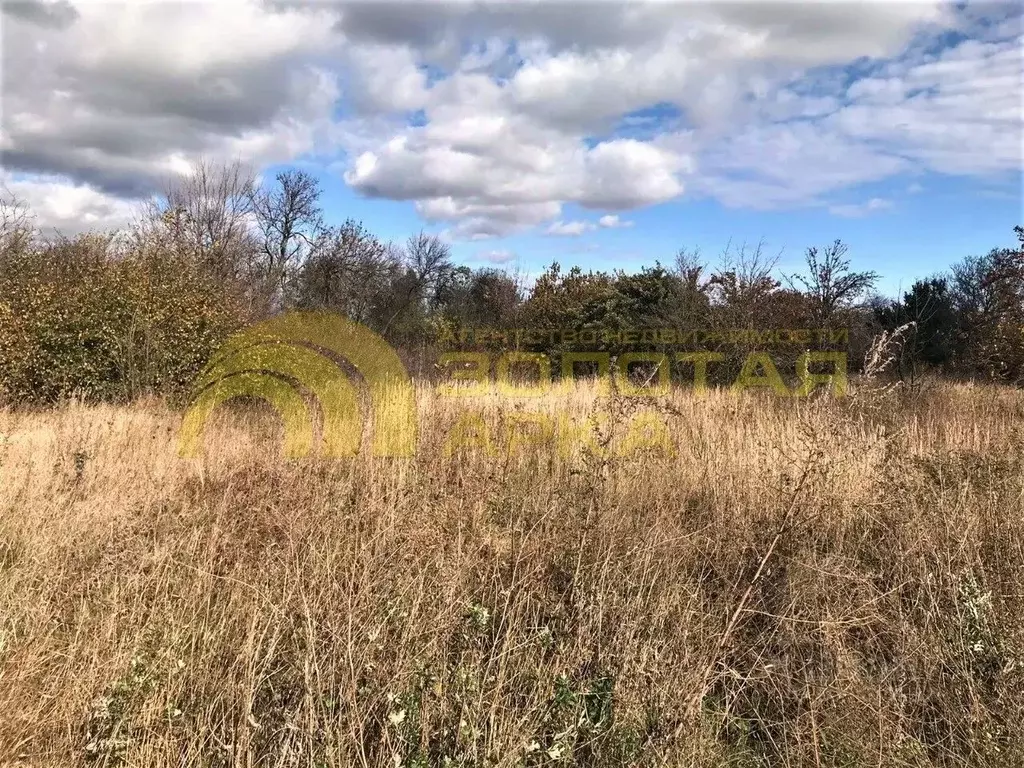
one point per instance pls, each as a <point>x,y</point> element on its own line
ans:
<point>94,319</point>
<point>790,582</point>
<point>113,316</point>
<point>755,581</point>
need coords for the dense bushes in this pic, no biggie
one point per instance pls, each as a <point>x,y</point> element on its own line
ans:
<point>82,318</point>
<point>970,321</point>
<point>112,317</point>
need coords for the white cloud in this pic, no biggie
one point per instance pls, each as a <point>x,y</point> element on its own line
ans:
<point>579,227</point>
<point>496,257</point>
<point>958,113</point>
<point>853,211</point>
<point>119,95</point>
<point>69,209</point>
<point>389,80</point>
<point>480,221</point>
<point>569,228</point>
<point>764,129</point>
<point>775,165</point>
<point>515,107</point>
<point>612,221</point>
<point>480,160</point>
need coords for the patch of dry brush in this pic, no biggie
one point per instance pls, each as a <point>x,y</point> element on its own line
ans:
<point>810,583</point>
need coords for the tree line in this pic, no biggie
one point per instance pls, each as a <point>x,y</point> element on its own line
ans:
<point>116,315</point>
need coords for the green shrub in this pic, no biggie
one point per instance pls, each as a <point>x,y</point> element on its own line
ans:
<point>78,318</point>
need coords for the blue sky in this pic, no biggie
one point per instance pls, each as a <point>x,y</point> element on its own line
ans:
<point>595,133</point>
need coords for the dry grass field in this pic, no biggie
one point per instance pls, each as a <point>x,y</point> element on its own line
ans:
<point>761,583</point>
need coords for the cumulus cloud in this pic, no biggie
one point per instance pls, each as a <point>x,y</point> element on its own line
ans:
<point>67,208</point>
<point>490,117</point>
<point>769,119</point>
<point>113,96</point>
<point>480,221</point>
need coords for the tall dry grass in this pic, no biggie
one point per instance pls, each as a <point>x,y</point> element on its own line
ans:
<point>784,583</point>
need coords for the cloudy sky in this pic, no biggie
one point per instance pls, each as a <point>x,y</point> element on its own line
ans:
<point>598,133</point>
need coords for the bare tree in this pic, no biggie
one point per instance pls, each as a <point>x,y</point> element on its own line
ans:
<point>427,261</point>
<point>988,293</point>
<point>17,227</point>
<point>348,270</point>
<point>742,285</point>
<point>693,299</point>
<point>205,216</point>
<point>830,283</point>
<point>289,220</point>
<point>690,267</point>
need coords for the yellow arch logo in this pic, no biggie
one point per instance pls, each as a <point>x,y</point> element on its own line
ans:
<point>264,360</point>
